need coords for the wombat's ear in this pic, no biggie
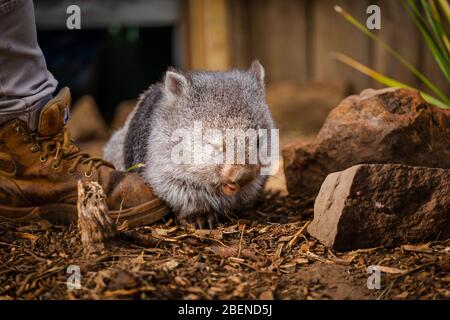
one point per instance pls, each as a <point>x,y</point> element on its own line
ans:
<point>258,71</point>
<point>175,83</point>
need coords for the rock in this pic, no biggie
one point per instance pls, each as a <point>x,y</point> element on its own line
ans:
<point>93,147</point>
<point>377,126</point>
<point>86,121</point>
<point>121,114</point>
<point>372,205</point>
<point>299,110</point>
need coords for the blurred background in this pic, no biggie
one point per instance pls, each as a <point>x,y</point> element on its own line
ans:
<point>124,46</point>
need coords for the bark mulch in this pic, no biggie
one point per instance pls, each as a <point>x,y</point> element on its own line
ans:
<point>264,254</point>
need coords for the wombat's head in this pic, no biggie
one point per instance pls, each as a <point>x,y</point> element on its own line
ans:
<point>219,127</point>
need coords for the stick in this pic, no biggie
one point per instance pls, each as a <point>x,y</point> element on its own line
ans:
<point>97,229</point>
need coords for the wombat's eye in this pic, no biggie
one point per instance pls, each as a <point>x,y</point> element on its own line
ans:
<point>218,150</point>
<point>215,150</point>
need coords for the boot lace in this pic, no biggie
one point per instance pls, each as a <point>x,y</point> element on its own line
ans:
<point>61,147</point>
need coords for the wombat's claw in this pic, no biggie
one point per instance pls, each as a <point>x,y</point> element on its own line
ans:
<point>211,222</point>
<point>197,222</point>
<point>181,222</point>
<point>200,222</point>
<point>207,220</point>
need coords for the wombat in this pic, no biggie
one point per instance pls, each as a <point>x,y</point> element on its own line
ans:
<point>198,193</point>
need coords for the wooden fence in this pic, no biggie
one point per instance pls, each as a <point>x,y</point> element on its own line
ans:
<point>294,39</point>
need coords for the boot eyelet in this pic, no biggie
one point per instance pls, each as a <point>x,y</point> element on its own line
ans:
<point>20,130</point>
<point>71,172</point>
<point>42,159</point>
<point>88,175</point>
<point>55,166</point>
<point>35,148</point>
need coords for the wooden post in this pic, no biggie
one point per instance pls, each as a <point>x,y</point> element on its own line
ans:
<point>208,35</point>
<point>279,38</point>
<point>333,34</point>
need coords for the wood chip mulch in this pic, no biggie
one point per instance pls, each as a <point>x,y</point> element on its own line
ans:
<point>264,254</point>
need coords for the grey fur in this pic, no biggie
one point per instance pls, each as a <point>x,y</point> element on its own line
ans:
<point>221,100</point>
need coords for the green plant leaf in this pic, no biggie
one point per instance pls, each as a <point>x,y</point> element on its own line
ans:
<point>434,101</point>
<point>394,53</point>
<point>386,80</point>
<point>421,25</point>
<point>445,8</point>
<point>136,166</point>
<point>437,29</point>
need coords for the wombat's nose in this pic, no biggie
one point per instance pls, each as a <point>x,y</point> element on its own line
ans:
<point>236,176</point>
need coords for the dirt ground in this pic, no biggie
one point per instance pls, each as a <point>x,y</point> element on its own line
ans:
<point>265,254</point>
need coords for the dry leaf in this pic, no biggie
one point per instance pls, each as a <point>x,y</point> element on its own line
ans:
<point>181,281</point>
<point>159,232</point>
<point>301,261</point>
<point>425,248</point>
<point>266,295</point>
<point>345,260</point>
<point>173,229</point>
<point>391,270</point>
<point>304,248</point>
<point>298,234</point>
<point>285,238</point>
<point>227,252</point>
<point>139,259</point>
<point>28,236</point>
<point>279,250</point>
<point>172,264</point>
<point>124,292</point>
<point>39,225</point>
<point>402,295</point>
<point>204,233</point>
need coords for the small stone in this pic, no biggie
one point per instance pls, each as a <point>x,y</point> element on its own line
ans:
<point>266,295</point>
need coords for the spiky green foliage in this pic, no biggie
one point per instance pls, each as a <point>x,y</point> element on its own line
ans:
<point>432,18</point>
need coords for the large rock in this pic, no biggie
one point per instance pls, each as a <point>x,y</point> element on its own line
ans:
<point>299,110</point>
<point>377,126</point>
<point>86,121</point>
<point>121,114</point>
<point>374,205</point>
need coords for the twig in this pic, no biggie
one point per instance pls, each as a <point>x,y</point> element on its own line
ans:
<point>297,235</point>
<point>240,242</point>
<point>96,226</point>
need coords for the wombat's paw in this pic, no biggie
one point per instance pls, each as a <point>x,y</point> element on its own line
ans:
<point>201,221</point>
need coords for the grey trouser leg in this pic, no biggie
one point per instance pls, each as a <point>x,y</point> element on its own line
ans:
<point>25,83</point>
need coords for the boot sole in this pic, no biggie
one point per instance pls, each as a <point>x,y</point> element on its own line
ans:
<point>144,214</point>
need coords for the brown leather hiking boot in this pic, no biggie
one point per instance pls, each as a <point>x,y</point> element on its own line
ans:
<point>39,173</point>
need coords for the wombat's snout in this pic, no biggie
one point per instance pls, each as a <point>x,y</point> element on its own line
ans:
<point>234,177</point>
